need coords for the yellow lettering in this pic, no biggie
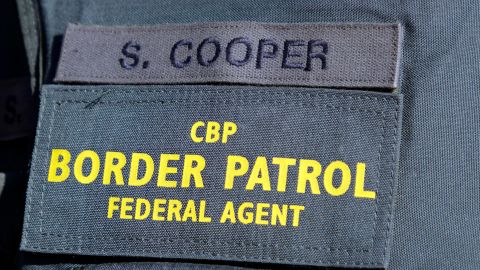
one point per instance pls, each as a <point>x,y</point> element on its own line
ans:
<point>112,206</point>
<point>190,212</point>
<point>189,170</point>
<point>59,161</point>
<point>163,170</point>
<point>261,213</point>
<point>78,167</point>
<point>296,214</point>
<point>133,179</point>
<point>228,213</point>
<point>213,132</point>
<point>114,167</point>
<point>308,171</point>
<point>360,191</point>
<point>280,215</point>
<point>174,207</point>
<point>245,217</point>
<point>328,178</point>
<point>232,170</point>
<point>158,208</point>
<point>126,207</point>
<point>193,131</point>
<point>229,128</point>
<point>259,175</point>
<point>283,164</point>
<point>139,206</point>
<point>202,216</point>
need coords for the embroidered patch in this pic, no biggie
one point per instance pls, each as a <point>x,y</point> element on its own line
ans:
<point>331,55</point>
<point>273,175</point>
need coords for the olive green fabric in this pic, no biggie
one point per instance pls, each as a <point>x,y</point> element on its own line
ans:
<point>437,212</point>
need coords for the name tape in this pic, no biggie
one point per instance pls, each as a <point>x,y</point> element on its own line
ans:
<point>224,173</point>
<point>310,54</point>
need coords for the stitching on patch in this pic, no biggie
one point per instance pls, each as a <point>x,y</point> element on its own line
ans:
<point>186,101</point>
<point>392,174</point>
<point>246,24</point>
<point>217,242</point>
<point>206,254</point>
<point>50,127</point>
<point>209,242</point>
<point>377,183</point>
<point>76,101</point>
<point>34,158</point>
<point>214,77</point>
<point>394,55</point>
<point>300,93</point>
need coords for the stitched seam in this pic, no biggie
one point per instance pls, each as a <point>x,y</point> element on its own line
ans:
<point>210,242</point>
<point>377,183</point>
<point>382,113</point>
<point>186,101</point>
<point>186,27</point>
<point>50,127</point>
<point>196,101</point>
<point>300,93</point>
<point>205,254</point>
<point>213,77</point>
<point>227,76</point>
<point>394,57</point>
<point>174,101</point>
<point>34,155</point>
<point>392,174</point>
